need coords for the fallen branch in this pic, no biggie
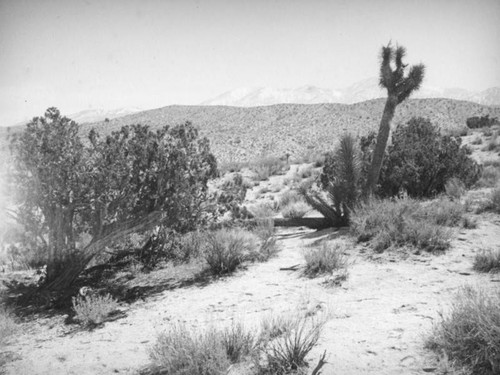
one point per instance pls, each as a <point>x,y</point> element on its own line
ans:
<point>291,268</point>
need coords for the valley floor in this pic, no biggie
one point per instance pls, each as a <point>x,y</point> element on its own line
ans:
<point>379,319</point>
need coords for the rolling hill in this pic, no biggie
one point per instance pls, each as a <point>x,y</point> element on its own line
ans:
<point>242,133</point>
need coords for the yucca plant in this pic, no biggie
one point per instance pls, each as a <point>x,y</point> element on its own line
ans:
<point>340,181</point>
<point>399,88</point>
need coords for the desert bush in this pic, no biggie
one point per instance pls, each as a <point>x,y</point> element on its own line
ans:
<point>339,182</point>
<point>106,187</point>
<point>487,261</point>
<point>93,309</point>
<point>480,121</point>
<point>402,222</point>
<point>326,258</point>
<point>286,354</point>
<point>238,342</point>
<point>262,210</point>
<point>420,161</point>
<point>295,210</point>
<point>180,351</point>
<point>8,325</point>
<point>454,188</point>
<point>226,249</point>
<point>470,333</point>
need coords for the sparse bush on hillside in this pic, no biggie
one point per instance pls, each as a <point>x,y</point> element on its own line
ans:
<point>487,261</point>
<point>340,182</point>
<point>403,222</point>
<point>470,333</point>
<point>480,121</point>
<point>420,161</point>
<point>269,166</point>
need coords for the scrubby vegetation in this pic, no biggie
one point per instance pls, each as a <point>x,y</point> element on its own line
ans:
<point>91,310</point>
<point>280,348</point>
<point>325,259</point>
<point>481,122</point>
<point>487,261</point>
<point>469,333</point>
<point>421,161</point>
<point>406,222</point>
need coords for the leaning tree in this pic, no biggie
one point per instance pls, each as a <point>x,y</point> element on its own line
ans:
<point>105,188</point>
<point>399,87</point>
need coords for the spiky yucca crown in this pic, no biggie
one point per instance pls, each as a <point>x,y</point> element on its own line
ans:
<point>394,80</point>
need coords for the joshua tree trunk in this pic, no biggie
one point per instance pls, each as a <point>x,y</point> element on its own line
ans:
<point>399,88</point>
<point>382,138</point>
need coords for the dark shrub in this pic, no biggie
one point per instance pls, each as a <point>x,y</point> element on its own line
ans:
<point>420,161</point>
<point>480,122</point>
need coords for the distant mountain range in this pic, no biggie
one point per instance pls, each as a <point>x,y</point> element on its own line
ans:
<point>361,91</point>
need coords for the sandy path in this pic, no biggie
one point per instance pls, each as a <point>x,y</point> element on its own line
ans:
<point>379,316</point>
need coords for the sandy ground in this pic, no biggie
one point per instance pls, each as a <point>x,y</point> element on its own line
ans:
<point>379,316</point>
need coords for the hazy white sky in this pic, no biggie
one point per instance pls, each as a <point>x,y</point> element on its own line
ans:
<point>77,55</point>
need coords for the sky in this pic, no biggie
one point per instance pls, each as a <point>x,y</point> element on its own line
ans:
<point>90,54</point>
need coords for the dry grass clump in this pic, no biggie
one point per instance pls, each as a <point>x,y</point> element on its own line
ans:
<point>295,210</point>
<point>487,261</point>
<point>226,249</point>
<point>326,258</point>
<point>93,309</point>
<point>405,222</point>
<point>286,353</point>
<point>8,324</point>
<point>280,348</point>
<point>470,333</point>
<point>180,351</point>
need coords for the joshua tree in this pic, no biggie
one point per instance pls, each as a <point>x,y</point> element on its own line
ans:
<point>399,87</point>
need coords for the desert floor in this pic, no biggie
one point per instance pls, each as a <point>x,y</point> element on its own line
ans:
<point>379,316</point>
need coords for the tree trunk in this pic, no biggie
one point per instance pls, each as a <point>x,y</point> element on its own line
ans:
<point>382,137</point>
<point>71,271</point>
